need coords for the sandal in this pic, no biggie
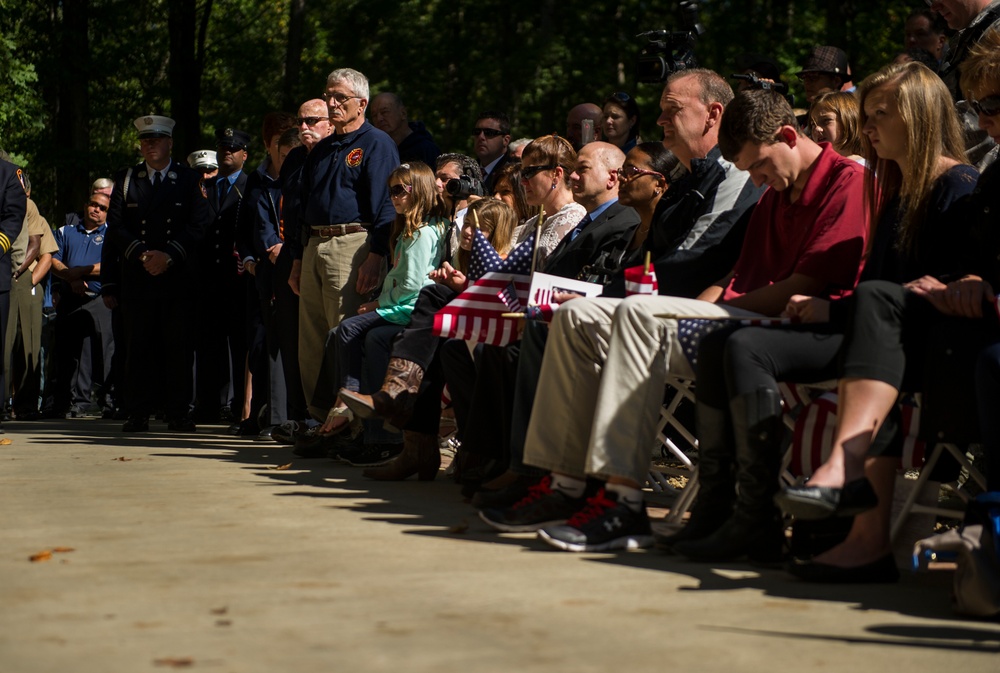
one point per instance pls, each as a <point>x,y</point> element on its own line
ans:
<point>334,414</point>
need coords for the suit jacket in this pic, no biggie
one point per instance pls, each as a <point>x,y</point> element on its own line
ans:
<point>612,230</point>
<point>490,182</point>
<point>13,206</point>
<point>171,218</point>
<point>218,249</point>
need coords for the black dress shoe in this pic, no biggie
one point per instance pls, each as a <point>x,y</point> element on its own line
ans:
<point>136,424</point>
<point>811,503</point>
<point>881,571</point>
<point>181,425</point>
<point>265,434</point>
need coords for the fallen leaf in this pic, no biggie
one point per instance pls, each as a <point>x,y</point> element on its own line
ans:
<point>44,555</point>
<point>459,528</point>
<point>62,550</point>
<point>174,662</point>
<point>220,611</point>
<point>122,459</point>
<point>6,441</point>
<point>281,467</point>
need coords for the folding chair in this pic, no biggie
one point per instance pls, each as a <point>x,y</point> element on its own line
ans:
<point>678,390</point>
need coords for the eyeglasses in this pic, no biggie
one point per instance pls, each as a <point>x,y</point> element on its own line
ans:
<point>489,133</point>
<point>310,121</point>
<point>626,173</point>
<point>400,190</point>
<point>337,99</point>
<point>101,207</point>
<point>529,172</point>
<point>988,107</point>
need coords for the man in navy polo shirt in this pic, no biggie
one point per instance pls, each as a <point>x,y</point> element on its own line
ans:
<point>84,341</point>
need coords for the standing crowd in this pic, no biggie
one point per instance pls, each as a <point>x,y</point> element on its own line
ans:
<point>299,301</point>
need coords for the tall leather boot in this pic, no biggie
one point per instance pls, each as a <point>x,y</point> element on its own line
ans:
<point>421,456</point>
<point>716,482</point>
<point>755,528</point>
<point>394,402</point>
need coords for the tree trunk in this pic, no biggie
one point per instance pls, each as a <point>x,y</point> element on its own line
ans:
<point>184,76</point>
<point>293,54</point>
<point>72,119</point>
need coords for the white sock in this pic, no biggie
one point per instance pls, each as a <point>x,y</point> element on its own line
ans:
<point>570,486</point>
<point>628,496</point>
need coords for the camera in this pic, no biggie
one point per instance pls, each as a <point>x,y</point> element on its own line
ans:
<point>667,52</point>
<point>465,186</point>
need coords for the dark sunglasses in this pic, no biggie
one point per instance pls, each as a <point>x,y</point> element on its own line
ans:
<point>310,121</point>
<point>489,133</point>
<point>988,107</point>
<point>400,190</point>
<point>528,172</point>
<point>100,207</point>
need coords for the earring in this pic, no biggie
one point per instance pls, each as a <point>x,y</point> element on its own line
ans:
<point>553,186</point>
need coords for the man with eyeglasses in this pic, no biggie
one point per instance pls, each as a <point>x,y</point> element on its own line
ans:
<point>84,342</point>
<point>157,218</point>
<point>972,18</point>
<point>490,137</point>
<point>344,217</point>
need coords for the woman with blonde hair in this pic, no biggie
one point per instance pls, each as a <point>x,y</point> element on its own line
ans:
<point>834,118</point>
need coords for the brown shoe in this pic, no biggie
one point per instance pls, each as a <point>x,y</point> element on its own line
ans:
<point>421,456</point>
<point>395,401</point>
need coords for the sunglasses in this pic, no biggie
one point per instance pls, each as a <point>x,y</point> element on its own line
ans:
<point>400,190</point>
<point>626,173</point>
<point>988,107</point>
<point>489,133</point>
<point>528,172</point>
<point>620,96</point>
<point>101,207</point>
<point>310,121</point>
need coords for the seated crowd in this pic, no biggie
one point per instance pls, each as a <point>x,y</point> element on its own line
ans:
<point>866,223</point>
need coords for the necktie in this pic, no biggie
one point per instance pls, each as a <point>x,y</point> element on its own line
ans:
<point>157,179</point>
<point>579,227</point>
<point>223,190</point>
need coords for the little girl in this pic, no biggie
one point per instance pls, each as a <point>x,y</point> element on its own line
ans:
<point>417,247</point>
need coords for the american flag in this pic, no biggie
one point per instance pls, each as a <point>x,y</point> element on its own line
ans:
<point>639,281</point>
<point>484,257</point>
<point>690,331</point>
<point>477,313</point>
<point>509,297</point>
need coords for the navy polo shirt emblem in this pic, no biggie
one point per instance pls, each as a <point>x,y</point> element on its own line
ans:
<point>98,239</point>
<point>354,157</point>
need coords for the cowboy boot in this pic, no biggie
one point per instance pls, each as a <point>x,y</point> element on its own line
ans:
<point>716,485</point>
<point>755,528</point>
<point>421,456</point>
<point>395,400</point>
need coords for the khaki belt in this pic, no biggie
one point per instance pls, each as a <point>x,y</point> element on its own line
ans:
<point>337,230</point>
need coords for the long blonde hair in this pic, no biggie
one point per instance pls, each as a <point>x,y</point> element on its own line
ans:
<point>932,131</point>
<point>426,204</point>
<point>497,221</point>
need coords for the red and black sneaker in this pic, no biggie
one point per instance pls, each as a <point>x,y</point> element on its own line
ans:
<point>543,506</point>
<point>601,525</point>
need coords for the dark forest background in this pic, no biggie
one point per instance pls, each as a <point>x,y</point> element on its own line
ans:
<point>75,73</point>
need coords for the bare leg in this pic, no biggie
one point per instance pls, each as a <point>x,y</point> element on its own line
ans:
<point>863,405</point>
<point>868,539</point>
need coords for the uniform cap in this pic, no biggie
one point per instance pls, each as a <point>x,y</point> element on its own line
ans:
<point>154,126</point>
<point>826,59</point>
<point>230,137</point>
<point>203,159</point>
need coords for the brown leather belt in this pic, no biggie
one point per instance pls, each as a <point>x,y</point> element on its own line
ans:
<point>337,230</point>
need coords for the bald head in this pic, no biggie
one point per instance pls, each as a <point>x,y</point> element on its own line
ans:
<point>574,122</point>
<point>595,180</point>
<point>313,122</point>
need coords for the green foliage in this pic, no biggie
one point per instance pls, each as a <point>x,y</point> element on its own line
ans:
<point>448,59</point>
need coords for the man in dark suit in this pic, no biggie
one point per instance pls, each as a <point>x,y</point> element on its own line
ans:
<point>221,344</point>
<point>157,217</point>
<point>491,136</point>
<point>13,206</point>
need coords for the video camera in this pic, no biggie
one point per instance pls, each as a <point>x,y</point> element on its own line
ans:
<point>668,52</point>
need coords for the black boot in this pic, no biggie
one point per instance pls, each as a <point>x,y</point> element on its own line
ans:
<point>755,529</point>
<point>716,485</point>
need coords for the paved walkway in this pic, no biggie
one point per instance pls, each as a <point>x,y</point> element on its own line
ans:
<point>196,553</point>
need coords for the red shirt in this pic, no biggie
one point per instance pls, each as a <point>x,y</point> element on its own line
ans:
<point>822,235</point>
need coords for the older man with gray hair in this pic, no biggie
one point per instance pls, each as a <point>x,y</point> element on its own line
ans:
<point>345,216</point>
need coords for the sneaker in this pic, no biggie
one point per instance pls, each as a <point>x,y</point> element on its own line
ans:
<point>542,507</point>
<point>374,455</point>
<point>287,432</point>
<point>504,497</point>
<point>83,411</point>
<point>312,444</point>
<point>344,447</point>
<point>602,524</point>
